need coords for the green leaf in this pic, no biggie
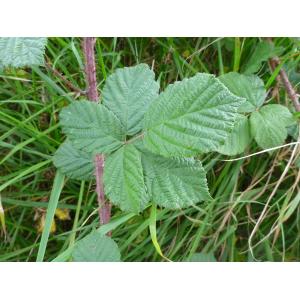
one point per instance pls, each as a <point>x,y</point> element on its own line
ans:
<point>250,87</point>
<point>92,127</point>
<point>74,163</point>
<point>96,247</point>
<point>238,139</point>
<point>20,52</point>
<point>202,257</point>
<point>263,51</point>
<point>268,125</point>
<point>124,181</point>
<point>191,116</point>
<point>128,93</point>
<point>293,131</point>
<point>58,185</point>
<point>176,182</point>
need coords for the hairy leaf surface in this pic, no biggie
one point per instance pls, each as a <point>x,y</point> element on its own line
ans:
<point>96,247</point>
<point>92,127</point>
<point>238,139</point>
<point>268,125</point>
<point>22,51</point>
<point>74,163</point>
<point>191,116</point>
<point>128,93</point>
<point>175,182</point>
<point>250,87</point>
<point>123,179</point>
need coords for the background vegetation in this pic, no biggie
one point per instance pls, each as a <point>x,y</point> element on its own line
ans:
<point>30,100</point>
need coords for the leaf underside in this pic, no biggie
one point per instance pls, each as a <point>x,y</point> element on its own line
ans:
<point>123,179</point>
<point>96,247</point>
<point>191,116</point>
<point>92,127</point>
<point>22,51</point>
<point>128,93</point>
<point>74,163</point>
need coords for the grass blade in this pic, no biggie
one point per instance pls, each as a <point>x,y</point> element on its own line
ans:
<point>55,193</point>
<point>152,228</point>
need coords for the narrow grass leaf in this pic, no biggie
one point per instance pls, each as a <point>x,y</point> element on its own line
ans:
<point>53,201</point>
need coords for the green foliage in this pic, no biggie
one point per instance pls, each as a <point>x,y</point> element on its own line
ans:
<point>92,127</point>
<point>239,138</point>
<point>191,116</point>
<point>20,52</point>
<point>96,247</point>
<point>74,163</point>
<point>202,257</point>
<point>250,87</point>
<point>30,100</point>
<point>175,182</point>
<point>268,125</point>
<point>123,179</point>
<point>262,52</point>
<point>128,93</point>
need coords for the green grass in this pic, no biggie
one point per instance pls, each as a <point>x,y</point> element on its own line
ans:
<point>30,101</point>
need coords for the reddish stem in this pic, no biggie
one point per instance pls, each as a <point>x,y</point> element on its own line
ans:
<point>104,207</point>
<point>274,62</point>
<point>92,94</point>
<point>90,68</point>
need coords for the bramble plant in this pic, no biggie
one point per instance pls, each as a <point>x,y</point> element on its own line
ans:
<point>151,140</point>
<point>148,139</point>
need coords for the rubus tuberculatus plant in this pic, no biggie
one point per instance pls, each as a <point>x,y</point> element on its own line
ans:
<point>149,139</point>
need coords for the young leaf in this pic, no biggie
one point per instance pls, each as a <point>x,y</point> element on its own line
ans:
<point>124,181</point>
<point>263,51</point>
<point>20,52</point>
<point>250,87</point>
<point>268,125</point>
<point>238,139</point>
<point>74,163</point>
<point>128,93</point>
<point>96,247</point>
<point>176,182</point>
<point>91,127</point>
<point>191,116</point>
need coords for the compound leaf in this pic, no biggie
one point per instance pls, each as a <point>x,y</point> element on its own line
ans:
<point>191,116</point>
<point>96,247</point>
<point>73,163</point>
<point>20,52</point>
<point>268,125</point>
<point>250,87</point>
<point>238,139</point>
<point>128,93</point>
<point>92,127</point>
<point>263,51</point>
<point>175,182</point>
<point>123,179</point>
